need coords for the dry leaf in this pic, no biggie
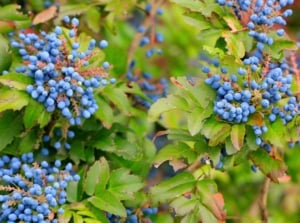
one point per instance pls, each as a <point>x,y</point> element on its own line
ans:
<point>45,15</point>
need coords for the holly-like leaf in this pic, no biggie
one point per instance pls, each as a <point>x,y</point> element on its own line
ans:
<point>12,99</point>
<point>5,54</point>
<point>99,171</point>
<point>105,113</point>
<point>215,131</point>
<point>212,199</point>
<point>237,135</point>
<point>10,127</point>
<point>11,18</point>
<point>32,113</point>
<point>123,184</point>
<point>272,167</point>
<point>93,19</point>
<point>183,205</point>
<point>173,187</point>
<point>14,80</point>
<point>172,102</point>
<point>174,152</point>
<point>275,134</point>
<point>108,202</point>
<point>118,97</point>
<point>195,119</point>
<point>235,46</point>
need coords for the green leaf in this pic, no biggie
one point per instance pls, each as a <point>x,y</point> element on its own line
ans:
<point>196,118</point>
<point>279,46</point>
<point>5,55</point>
<point>14,80</point>
<point>215,131</point>
<point>197,21</point>
<point>77,151</point>
<point>11,13</point>
<point>11,19</point>
<point>105,112</point>
<point>32,113</point>
<point>272,167</point>
<point>200,93</point>
<point>94,176</point>
<point>172,187</point>
<point>77,218</point>
<point>44,118</point>
<point>235,45</point>
<point>209,37</point>
<point>37,5</point>
<point>108,202</point>
<point>87,213</point>
<point>162,218</point>
<point>104,175</point>
<point>75,190</point>
<point>211,199</point>
<point>10,127</point>
<point>123,184</point>
<point>207,215</point>
<point>192,217</point>
<point>118,97</point>
<point>275,134</point>
<point>172,102</point>
<point>174,152</point>
<point>71,9</point>
<point>12,99</point>
<point>120,146</point>
<point>192,5</point>
<point>93,19</point>
<point>27,143</point>
<point>230,149</point>
<point>183,205</point>
<point>237,135</point>
<point>181,135</point>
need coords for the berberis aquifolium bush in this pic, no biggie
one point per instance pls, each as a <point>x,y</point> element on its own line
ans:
<point>149,111</point>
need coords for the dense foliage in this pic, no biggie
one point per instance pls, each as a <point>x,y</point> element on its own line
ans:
<point>149,111</point>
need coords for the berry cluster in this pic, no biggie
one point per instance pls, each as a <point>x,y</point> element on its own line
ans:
<point>32,192</point>
<point>58,140</point>
<point>63,78</point>
<point>149,37</point>
<point>240,96</point>
<point>232,104</point>
<point>134,217</point>
<point>153,89</point>
<point>261,16</point>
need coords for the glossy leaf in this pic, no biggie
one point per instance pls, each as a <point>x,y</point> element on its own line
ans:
<point>237,135</point>
<point>108,202</point>
<point>174,152</point>
<point>173,187</point>
<point>10,127</point>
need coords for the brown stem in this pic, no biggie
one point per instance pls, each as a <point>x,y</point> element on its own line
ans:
<point>263,200</point>
<point>149,22</point>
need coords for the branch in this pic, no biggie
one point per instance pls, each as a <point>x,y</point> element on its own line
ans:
<point>263,200</point>
<point>148,23</point>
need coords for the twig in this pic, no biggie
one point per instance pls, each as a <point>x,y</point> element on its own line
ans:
<point>149,22</point>
<point>263,200</point>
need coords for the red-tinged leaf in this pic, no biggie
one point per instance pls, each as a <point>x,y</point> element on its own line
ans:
<point>176,83</point>
<point>237,135</point>
<point>284,179</point>
<point>215,203</point>
<point>212,199</point>
<point>272,167</point>
<point>256,119</point>
<point>45,15</point>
